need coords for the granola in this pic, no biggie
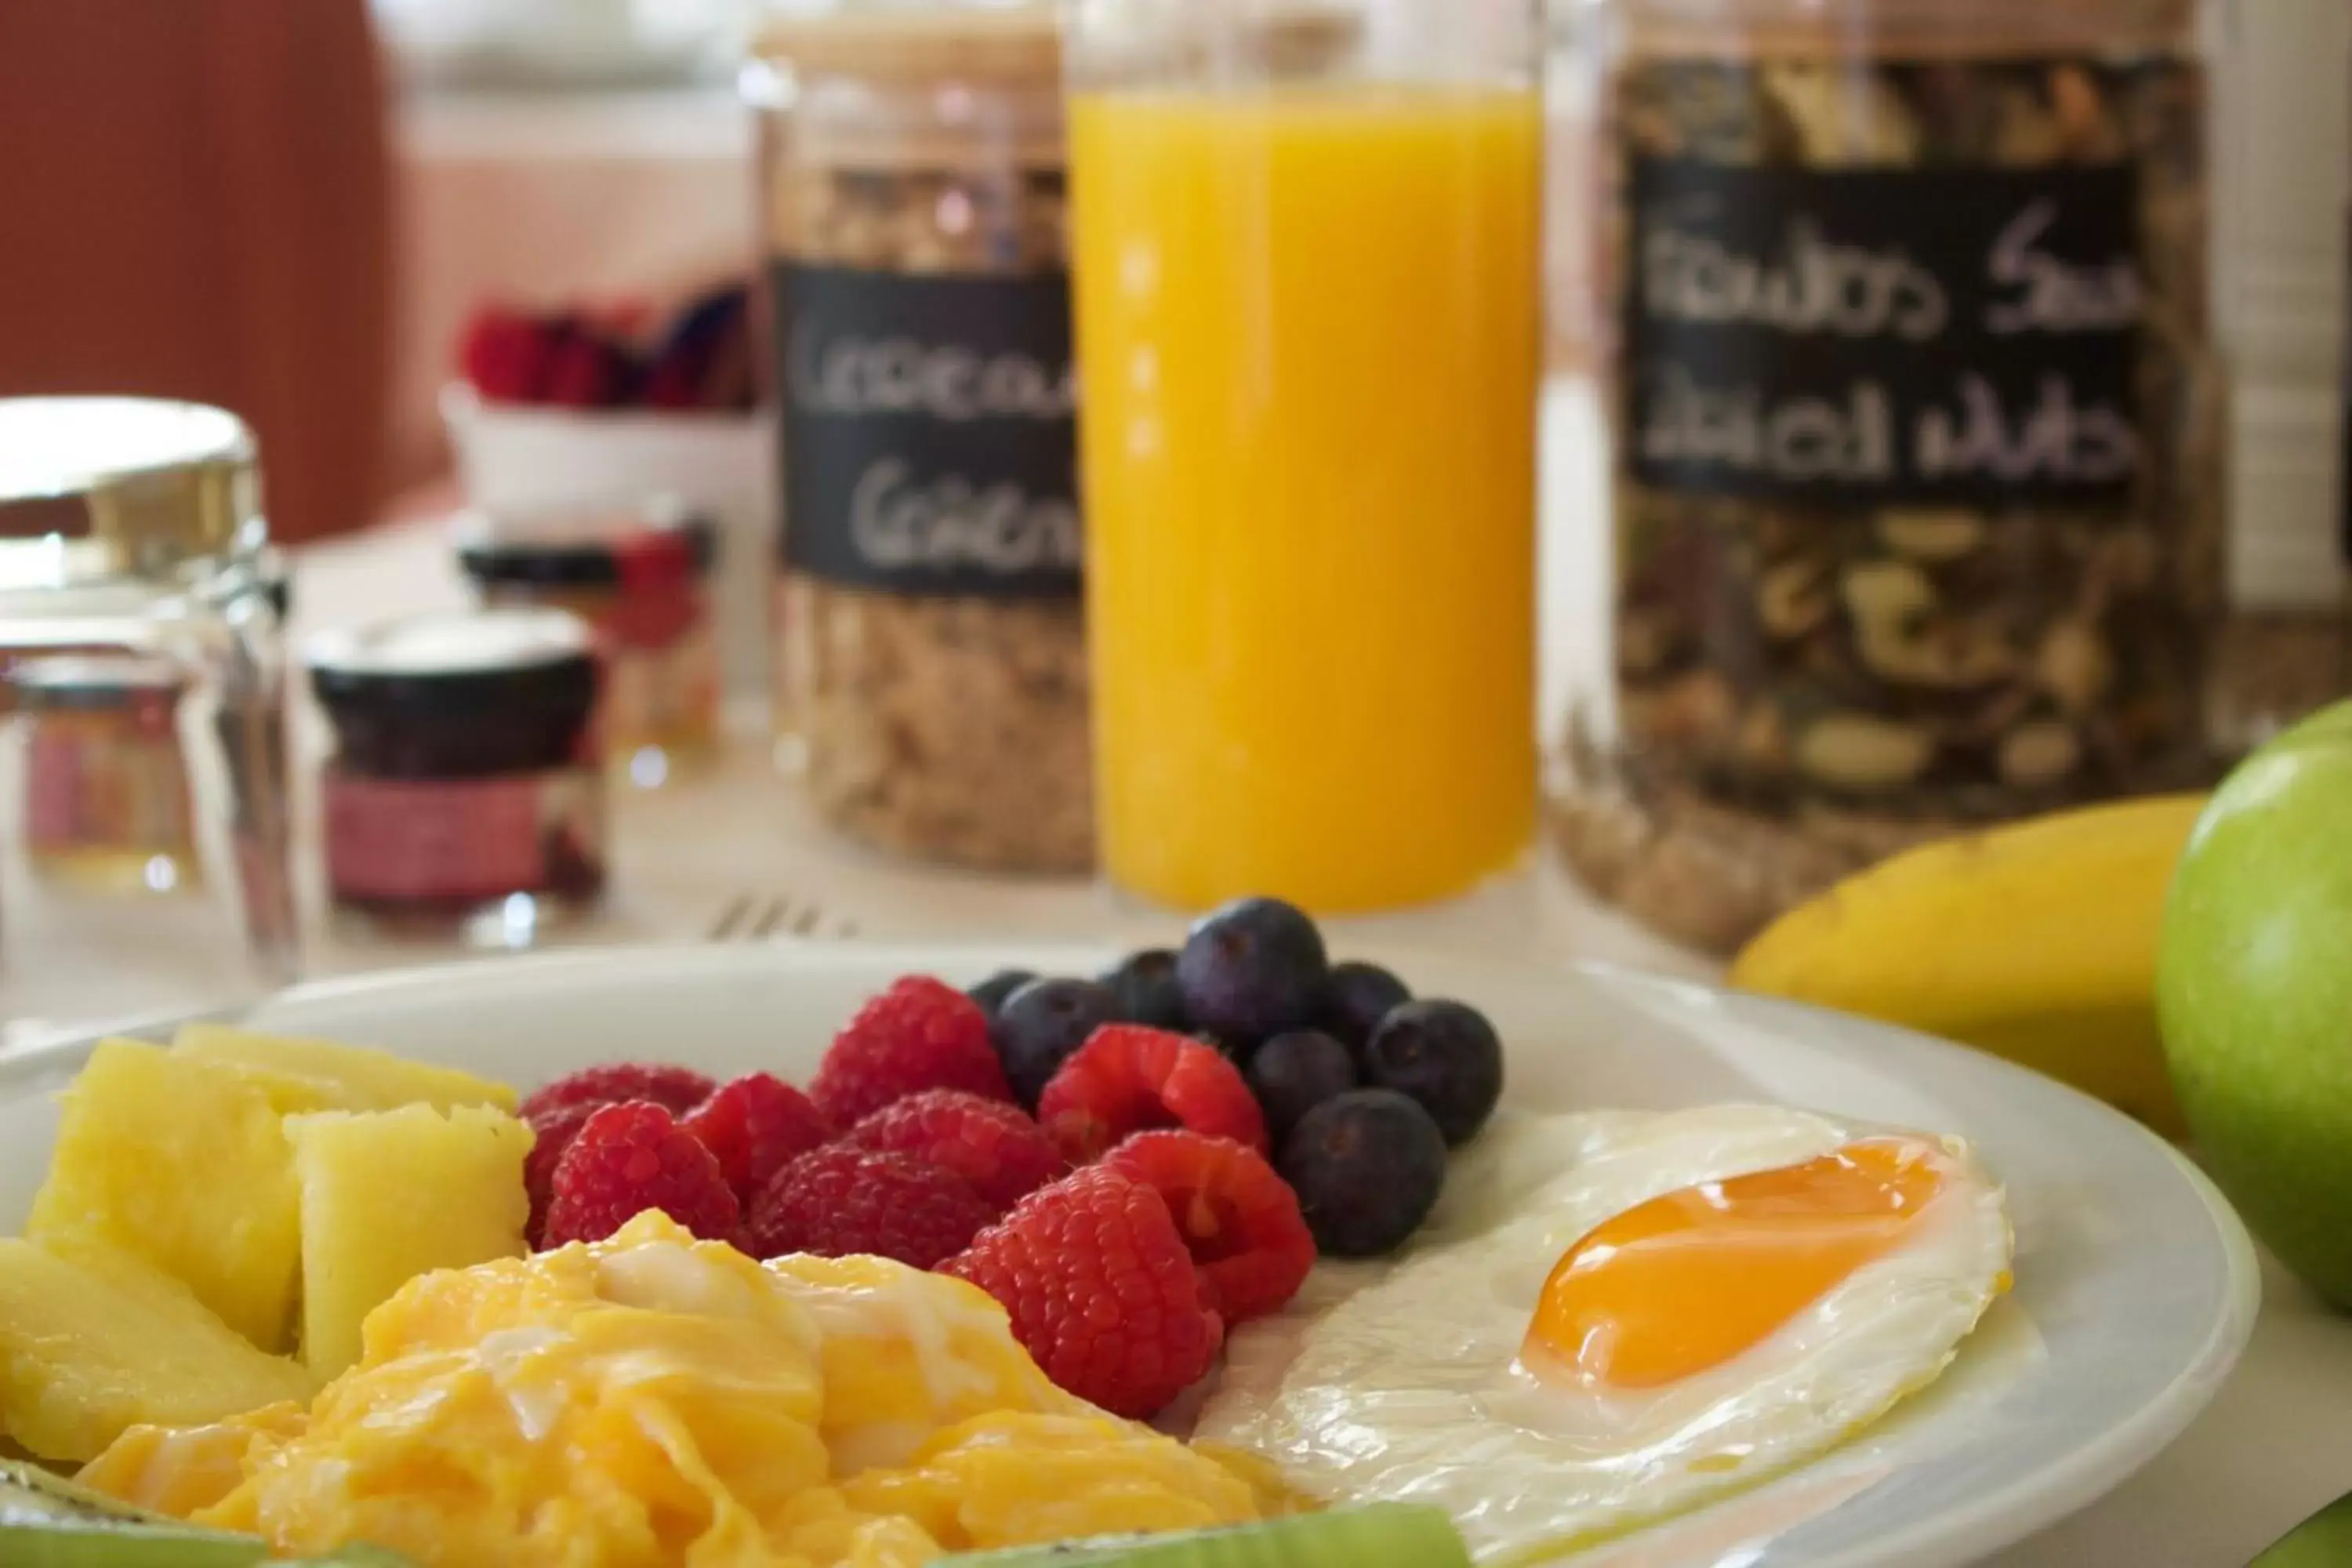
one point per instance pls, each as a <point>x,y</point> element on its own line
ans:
<point>944,725</point>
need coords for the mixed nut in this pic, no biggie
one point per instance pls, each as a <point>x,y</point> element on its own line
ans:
<point>1805,681</point>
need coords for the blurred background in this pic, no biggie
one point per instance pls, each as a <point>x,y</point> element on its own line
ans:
<point>463,263</point>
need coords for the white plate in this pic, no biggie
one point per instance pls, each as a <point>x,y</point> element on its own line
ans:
<point>2135,1285</point>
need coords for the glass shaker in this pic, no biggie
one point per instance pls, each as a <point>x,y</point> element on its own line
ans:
<point>145,832</point>
<point>1307,262</point>
<point>1918,413</point>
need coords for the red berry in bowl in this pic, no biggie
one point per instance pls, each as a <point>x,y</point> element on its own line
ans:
<point>1100,1291</point>
<point>839,1200</point>
<point>676,1089</point>
<point>1128,1080</point>
<point>632,1157</point>
<point>756,1126</point>
<point>552,1133</point>
<point>1239,1220</point>
<point>920,1034</point>
<point>1004,1155</point>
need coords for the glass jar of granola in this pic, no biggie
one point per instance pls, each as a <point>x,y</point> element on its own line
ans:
<point>1918,428</point>
<point>932,648</point>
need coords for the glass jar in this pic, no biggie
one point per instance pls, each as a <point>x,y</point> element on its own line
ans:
<point>1308,287</point>
<point>2287,647</point>
<point>931,648</point>
<point>147,833</point>
<point>105,797</point>
<point>1918,436</point>
<point>640,578</point>
<point>466,796</point>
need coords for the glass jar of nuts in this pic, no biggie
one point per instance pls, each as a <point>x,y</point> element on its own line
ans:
<point>1917,425</point>
<point>932,648</point>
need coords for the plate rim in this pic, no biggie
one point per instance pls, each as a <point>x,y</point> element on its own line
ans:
<point>1989,1523</point>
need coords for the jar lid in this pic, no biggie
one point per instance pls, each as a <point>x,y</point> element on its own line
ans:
<point>651,546</point>
<point>95,681</point>
<point>158,482</point>
<point>1012,40</point>
<point>1907,29</point>
<point>1002,40</point>
<point>541,659</point>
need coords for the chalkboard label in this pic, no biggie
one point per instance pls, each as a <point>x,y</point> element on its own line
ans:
<point>1866,337</point>
<point>928,431</point>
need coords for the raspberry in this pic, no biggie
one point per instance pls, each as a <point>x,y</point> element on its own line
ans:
<point>676,1090</point>
<point>1004,1155</point>
<point>757,1125</point>
<point>1240,1221</point>
<point>584,368</point>
<point>632,1157</point>
<point>837,1200</point>
<point>1100,1291</point>
<point>504,356</point>
<point>552,1133</point>
<point>918,1035</point>
<point>1128,1080</point>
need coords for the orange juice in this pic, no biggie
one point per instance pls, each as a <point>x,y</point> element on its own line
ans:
<point>1308,335</point>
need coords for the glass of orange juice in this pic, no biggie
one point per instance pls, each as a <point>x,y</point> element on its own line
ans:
<point>1306,249</point>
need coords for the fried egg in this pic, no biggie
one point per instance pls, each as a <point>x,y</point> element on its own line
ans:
<point>1676,1305</point>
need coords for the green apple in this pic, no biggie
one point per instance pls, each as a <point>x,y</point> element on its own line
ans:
<point>2322,1541</point>
<point>2253,987</point>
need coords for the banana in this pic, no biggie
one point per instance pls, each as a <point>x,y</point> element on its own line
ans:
<point>2035,941</point>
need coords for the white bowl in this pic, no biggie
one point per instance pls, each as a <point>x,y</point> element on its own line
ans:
<point>519,458</point>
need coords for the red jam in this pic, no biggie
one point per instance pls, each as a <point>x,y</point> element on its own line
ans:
<point>466,791</point>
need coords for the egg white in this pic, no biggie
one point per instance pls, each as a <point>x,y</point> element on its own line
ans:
<point>1402,1382</point>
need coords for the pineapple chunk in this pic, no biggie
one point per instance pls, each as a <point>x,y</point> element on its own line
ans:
<point>92,1345</point>
<point>183,1165</point>
<point>302,1075</point>
<point>392,1194</point>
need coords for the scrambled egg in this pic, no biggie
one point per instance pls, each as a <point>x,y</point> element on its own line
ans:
<point>654,1401</point>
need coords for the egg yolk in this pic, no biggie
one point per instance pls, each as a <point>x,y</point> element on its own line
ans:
<point>1692,1279</point>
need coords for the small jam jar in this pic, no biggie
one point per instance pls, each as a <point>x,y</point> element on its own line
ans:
<point>465,796</point>
<point>106,798</point>
<point>641,579</point>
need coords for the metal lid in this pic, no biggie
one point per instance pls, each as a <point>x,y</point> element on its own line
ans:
<point>156,482</point>
<point>450,645</point>
<point>457,667</point>
<point>1908,30</point>
<point>1001,40</point>
<point>586,546</point>
<point>1016,40</point>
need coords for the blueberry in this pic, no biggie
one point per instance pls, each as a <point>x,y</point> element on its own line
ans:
<point>1444,1055</point>
<point>1147,993</point>
<point>1292,1074</point>
<point>1042,1023</point>
<point>1252,970</point>
<point>1367,1166</point>
<point>1356,998</point>
<point>991,992</point>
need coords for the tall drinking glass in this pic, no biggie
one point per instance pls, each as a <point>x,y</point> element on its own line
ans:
<point>1306,253</point>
